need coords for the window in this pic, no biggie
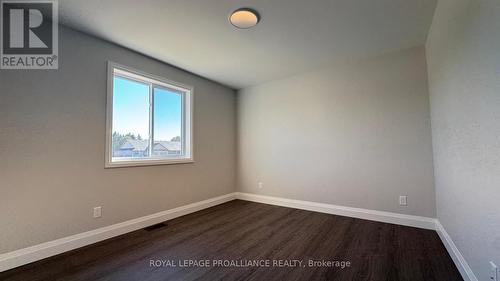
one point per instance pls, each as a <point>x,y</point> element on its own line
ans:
<point>148,119</point>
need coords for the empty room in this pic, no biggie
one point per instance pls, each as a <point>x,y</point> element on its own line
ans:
<point>250,140</point>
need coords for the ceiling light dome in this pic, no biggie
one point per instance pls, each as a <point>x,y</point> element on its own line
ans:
<point>244,18</point>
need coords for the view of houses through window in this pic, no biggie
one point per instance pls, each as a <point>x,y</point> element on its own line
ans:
<point>132,146</point>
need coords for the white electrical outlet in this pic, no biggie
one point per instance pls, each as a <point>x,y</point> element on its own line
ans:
<point>493,272</point>
<point>260,185</point>
<point>97,212</point>
<point>403,200</point>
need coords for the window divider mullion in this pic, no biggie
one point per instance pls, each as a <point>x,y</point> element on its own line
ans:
<point>151,120</point>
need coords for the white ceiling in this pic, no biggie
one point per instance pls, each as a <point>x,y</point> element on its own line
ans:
<point>293,36</point>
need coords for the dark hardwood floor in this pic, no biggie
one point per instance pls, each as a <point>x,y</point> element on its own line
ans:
<point>244,232</point>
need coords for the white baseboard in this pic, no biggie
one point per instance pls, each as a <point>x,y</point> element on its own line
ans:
<point>455,254</point>
<point>388,217</point>
<point>34,253</point>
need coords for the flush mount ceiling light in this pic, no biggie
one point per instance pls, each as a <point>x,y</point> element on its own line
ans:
<point>244,18</point>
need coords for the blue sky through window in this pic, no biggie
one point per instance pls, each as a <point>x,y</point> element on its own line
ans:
<point>131,110</point>
<point>167,114</point>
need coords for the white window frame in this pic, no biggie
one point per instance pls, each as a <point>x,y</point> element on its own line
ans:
<point>187,118</point>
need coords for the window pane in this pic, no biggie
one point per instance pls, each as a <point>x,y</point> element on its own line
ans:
<point>167,128</point>
<point>130,119</point>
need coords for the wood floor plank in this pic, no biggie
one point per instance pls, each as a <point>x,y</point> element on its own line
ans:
<point>247,231</point>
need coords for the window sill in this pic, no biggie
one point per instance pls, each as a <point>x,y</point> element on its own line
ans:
<point>148,162</point>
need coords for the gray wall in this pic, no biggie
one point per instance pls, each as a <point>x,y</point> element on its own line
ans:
<point>52,140</point>
<point>356,135</point>
<point>463,52</point>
